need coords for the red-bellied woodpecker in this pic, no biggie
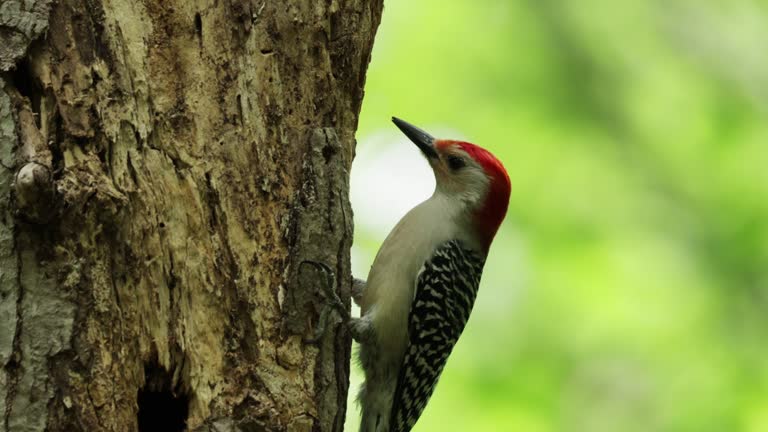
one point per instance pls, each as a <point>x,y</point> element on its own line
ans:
<point>423,282</point>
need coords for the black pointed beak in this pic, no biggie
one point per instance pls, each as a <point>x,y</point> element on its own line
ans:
<point>423,140</point>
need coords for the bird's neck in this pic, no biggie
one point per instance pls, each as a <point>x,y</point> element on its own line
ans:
<point>460,215</point>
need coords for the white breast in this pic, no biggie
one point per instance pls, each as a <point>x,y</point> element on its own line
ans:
<point>391,281</point>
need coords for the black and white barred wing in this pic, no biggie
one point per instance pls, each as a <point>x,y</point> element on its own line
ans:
<point>445,292</point>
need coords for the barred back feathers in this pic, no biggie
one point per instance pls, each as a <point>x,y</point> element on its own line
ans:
<point>445,293</point>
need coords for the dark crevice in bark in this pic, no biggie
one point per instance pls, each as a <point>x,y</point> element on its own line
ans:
<point>199,27</point>
<point>240,109</point>
<point>27,86</point>
<point>57,154</point>
<point>213,201</point>
<point>161,407</point>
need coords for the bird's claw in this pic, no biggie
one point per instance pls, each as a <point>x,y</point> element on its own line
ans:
<point>332,299</point>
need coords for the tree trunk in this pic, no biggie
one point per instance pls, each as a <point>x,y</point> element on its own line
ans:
<point>165,167</point>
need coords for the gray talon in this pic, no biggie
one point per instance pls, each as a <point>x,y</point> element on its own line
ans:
<point>332,299</point>
<point>358,286</point>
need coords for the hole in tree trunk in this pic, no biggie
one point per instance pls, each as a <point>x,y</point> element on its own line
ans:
<point>28,86</point>
<point>161,409</point>
<point>198,25</point>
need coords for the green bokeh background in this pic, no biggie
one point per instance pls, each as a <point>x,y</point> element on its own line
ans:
<point>628,287</point>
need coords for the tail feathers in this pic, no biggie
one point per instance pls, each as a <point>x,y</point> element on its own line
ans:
<point>371,422</point>
<point>375,407</point>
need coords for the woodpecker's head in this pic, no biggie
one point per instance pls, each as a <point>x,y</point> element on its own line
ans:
<point>467,174</point>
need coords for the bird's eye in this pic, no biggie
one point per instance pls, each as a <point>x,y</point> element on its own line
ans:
<point>456,162</point>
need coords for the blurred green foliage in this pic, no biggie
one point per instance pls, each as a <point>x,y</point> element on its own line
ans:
<point>628,288</point>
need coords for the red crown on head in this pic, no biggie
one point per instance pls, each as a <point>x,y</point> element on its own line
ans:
<point>489,216</point>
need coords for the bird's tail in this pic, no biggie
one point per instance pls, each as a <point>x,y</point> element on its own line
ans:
<point>375,405</point>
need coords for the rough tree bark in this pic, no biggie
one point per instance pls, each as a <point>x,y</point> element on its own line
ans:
<point>164,168</point>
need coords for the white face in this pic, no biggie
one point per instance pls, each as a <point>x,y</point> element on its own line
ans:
<point>458,176</point>
<point>460,179</point>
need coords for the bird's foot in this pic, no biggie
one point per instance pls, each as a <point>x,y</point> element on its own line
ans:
<point>332,300</point>
<point>358,286</point>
